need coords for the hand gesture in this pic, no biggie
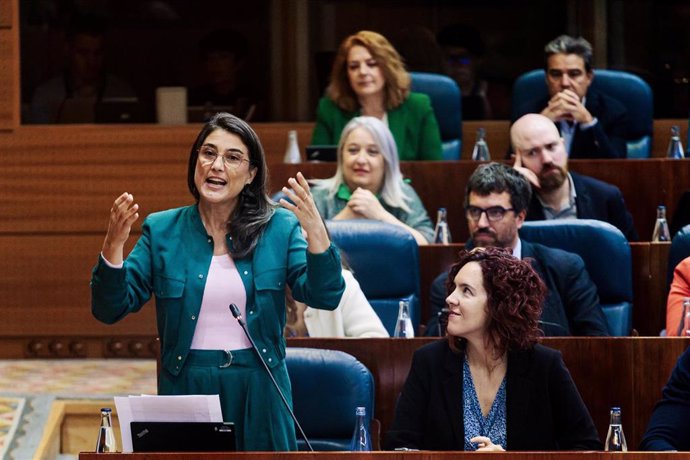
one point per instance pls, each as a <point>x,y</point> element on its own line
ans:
<point>566,105</point>
<point>308,215</point>
<point>484,444</point>
<point>364,203</point>
<point>526,173</point>
<point>123,214</point>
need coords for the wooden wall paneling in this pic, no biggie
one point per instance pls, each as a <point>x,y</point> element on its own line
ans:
<point>9,66</point>
<point>654,360</point>
<point>7,16</point>
<point>652,317</point>
<point>45,288</point>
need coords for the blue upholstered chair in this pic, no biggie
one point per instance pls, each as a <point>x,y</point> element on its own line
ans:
<point>630,90</point>
<point>327,386</point>
<point>385,260</point>
<point>607,257</point>
<point>446,101</point>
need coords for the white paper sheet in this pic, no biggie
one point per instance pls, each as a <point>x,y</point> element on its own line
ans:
<point>149,408</point>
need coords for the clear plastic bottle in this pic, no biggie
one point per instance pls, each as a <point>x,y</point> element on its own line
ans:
<point>441,232</point>
<point>292,154</point>
<point>675,146</point>
<point>480,152</point>
<point>361,439</point>
<point>403,326</point>
<point>615,439</point>
<point>661,232</point>
<point>106,435</point>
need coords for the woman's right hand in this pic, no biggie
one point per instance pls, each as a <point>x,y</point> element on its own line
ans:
<point>122,215</point>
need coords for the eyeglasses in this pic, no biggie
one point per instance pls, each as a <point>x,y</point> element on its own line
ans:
<point>494,213</point>
<point>232,159</point>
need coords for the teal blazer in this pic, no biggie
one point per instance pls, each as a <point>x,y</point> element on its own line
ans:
<point>412,123</point>
<point>171,261</point>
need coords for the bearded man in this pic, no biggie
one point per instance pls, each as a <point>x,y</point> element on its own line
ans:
<point>541,157</point>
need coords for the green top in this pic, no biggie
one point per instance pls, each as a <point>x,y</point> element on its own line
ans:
<point>417,218</point>
<point>412,123</point>
<point>172,258</point>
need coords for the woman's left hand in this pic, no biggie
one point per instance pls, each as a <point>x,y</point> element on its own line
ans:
<point>484,444</point>
<point>307,213</point>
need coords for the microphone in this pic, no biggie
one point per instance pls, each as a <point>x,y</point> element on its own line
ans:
<point>238,316</point>
<point>556,325</point>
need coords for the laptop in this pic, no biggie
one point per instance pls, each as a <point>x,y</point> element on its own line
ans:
<point>322,153</point>
<point>183,437</point>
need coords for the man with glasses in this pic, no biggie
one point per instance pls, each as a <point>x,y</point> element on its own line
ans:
<point>592,124</point>
<point>557,193</point>
<point>496,200</point>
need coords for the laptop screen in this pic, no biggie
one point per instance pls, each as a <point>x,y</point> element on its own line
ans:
<point>183,437</point>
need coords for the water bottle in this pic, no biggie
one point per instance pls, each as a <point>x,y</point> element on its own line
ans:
<point>685,319</point>
<point>361,439</point>
<point>292,154</point>
<point>403,326</point>
<point>480,152</point>
<point>106,435</point>
<point>615,439</point>
<point>661,232</point>
<point>675,147</point>
<point>441,232</point>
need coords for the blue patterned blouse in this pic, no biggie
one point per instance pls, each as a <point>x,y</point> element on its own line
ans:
<point>494,425</point>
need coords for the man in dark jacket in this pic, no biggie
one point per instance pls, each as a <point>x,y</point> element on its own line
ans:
<point>540,156</point>
<point>592,124</point>
<point>496,199</point>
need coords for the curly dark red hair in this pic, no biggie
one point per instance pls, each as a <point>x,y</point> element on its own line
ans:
<point>515,293</point>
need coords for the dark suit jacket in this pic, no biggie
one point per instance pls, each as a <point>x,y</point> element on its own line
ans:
<point>544,410</point>
<point>571,306</point>
<point>669,426</point>
<point>606,139</point>
<point>594,199</point>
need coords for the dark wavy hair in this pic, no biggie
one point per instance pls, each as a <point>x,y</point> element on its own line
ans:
<point>397,86</point>
<point>515,293</point>
<point>254,207</point>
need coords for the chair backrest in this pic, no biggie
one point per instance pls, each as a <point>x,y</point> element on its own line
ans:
<point>446,101</point>
<point>385,260</point>
<point>630,90</point>
<point>327,386</point>
<point>607,257</point>
<point>680,249</point>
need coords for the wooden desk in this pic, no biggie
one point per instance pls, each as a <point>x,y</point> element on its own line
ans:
<point>389,455</point>
<point>626,372</point>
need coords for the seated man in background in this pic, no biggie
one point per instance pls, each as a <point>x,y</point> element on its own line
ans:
<point>540,156</point>
<point>72,96</point>
<point>669,425</point>
<point>496,199</point>
<point>592,124</point>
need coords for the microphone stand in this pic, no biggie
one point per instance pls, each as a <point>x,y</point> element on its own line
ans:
<point>238,316</point>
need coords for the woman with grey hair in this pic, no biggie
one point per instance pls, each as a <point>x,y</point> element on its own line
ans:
<point>368,183</point>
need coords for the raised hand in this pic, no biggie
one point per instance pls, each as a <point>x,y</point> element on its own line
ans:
<point>306,212</point>
<point>526,173</point>
<point>123,214</point>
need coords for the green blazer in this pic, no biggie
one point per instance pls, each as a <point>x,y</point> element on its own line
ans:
<point>412,123</point>
<point>171,261</point>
